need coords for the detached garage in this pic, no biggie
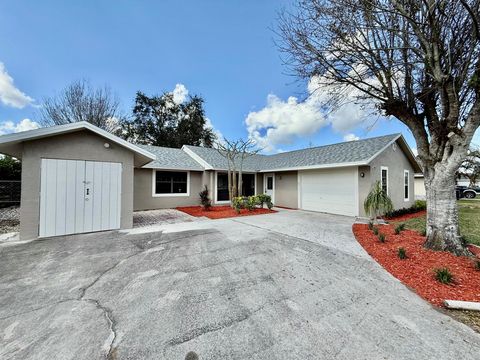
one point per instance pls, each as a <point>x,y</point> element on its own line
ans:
<point>76,178</point>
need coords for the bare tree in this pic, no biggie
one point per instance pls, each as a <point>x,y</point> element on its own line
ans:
<point>416,60</point>
<point>235,152</point>
<point>246,148</point>
<point>230,151</point>
<point>80,102</point>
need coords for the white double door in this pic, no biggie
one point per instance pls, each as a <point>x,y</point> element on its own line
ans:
<point>78,196</point>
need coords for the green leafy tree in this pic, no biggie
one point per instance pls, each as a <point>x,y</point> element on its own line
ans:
<point>161,121</point>
<point>10,168</point>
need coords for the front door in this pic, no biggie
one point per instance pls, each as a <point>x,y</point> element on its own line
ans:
<point>78,196</point>
<point>269,185</point>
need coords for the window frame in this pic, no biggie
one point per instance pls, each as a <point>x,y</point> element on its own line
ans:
<point>215,195</point>
<point>381,178</point>
<point>407,184</point>
<point>154,181</point>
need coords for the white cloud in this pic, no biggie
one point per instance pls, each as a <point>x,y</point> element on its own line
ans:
<point>415,151</point>
<point>351,137</point>
<point>281,122</point>
<point>9,94</point>
<point>8,127</point>
<point>180,93</point>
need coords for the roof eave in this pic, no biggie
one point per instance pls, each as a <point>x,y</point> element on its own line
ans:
<point>11,140</point>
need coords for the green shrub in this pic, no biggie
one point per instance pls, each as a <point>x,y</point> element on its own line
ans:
<point>423,232</point>
<point>370,225</point>
<point>375,230</point>
<point>477,265</point>
<point>204,199</point>
<point>264,199</point>
<point>238,203</point>
<point>381,237</point>
<point>251,202</point>
<point>399,228</point>
<point>418,206</point>
<point>402,253</point>
<point>443,275</point>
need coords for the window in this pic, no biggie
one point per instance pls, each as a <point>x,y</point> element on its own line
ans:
<point>222,187</point>
<point>269,182</point>
<point>171,183</point>
<point>384,179</point>
<point>406,185</point>
<point>248,186</point>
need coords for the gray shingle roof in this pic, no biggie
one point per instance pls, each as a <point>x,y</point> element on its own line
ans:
<point>217,161</point>
<point>342,153</point>
<point>345,152</point>
<point>171,158</point>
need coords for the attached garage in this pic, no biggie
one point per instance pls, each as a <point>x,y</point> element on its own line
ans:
<point>332,190</point>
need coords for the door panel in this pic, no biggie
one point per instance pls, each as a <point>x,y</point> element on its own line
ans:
<point>331,191</point>
<point>79,196</point>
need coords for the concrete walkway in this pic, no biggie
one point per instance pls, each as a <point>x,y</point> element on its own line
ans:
<point>291,285</point>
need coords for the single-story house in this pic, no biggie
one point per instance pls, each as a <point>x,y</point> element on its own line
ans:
<point>78,178</point>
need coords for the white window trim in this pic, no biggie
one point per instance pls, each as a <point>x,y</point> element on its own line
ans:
<point>388,185</point>
<point>408,185</point>
<point>154,171</point>
<point>223,202</point>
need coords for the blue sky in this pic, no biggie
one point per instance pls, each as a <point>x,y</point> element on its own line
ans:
<point>221,50</point>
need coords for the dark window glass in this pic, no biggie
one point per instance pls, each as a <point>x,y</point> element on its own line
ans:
<point>168,182</point>
<point>406,185</point>
<point>385,180</point>
<point>222,187</point>
<point>269,182</point>
<point>248,184</point>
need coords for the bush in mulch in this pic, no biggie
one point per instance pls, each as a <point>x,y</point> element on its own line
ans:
<point>417,270</point>
<point>221,212</point>
<point>419,206</point>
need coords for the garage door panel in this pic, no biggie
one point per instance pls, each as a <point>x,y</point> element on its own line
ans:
<point>61,197</point>
<point>79,196</point>
<point>331,191</point>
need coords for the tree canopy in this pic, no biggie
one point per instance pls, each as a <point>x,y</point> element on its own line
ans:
<point>10,168</point>
<point>161,121</point>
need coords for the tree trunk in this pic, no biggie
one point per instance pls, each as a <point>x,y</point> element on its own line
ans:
<point>443,232</point>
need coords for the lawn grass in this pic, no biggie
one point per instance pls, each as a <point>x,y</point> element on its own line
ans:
<point>469,213</point>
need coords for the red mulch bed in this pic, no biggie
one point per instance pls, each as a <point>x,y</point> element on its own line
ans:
<point>221,212</point>
<point>407,216</point>
<point>417,270</point>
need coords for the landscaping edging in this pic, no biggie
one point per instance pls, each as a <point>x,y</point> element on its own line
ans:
<point>417,270</point>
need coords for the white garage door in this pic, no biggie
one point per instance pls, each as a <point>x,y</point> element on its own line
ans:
<point>79,196</point>
<point>330,190</point>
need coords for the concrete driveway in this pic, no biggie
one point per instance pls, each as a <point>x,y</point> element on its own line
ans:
<point>291,285</point>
